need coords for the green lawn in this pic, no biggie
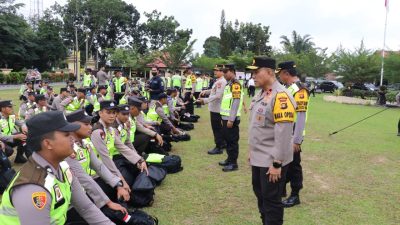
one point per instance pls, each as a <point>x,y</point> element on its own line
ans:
<point>349,178</point>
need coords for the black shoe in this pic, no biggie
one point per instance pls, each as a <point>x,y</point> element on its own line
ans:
<point>230,167</point>
<point>215,151</point>
<point>291,201</point>
<point>20,159</point>
<point>398,134</point>
<point>284,193</point>
<point>223,163</point>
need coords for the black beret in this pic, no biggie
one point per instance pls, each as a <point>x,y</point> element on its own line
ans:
<point>80,116</point>
<point>123,108</point>
<point>229,67</point>
<point>133,101</point>
<point>161,96</point>
<point>6,103</point>
<point>47,122</point>
<point>288,65</point>
<point>143,99</point>
<point>262,62</point>
<point>82,90</point>
<point>108,105</point>
<point>102,87</point>
<point>39,97</point>
<point>72,86</point>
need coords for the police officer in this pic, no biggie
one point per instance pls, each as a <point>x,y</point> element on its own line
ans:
<point>61,97</point>
<point>40,106</point>
<point>214,106</point>
<point>177,81</point>
<point>119,159</point>
<point>231,104</point>
<point>72,104</point>
<point>156,85</point>
<point>157,113</point>
<point>198,87</point>
<point>119,85</point>
<point>49,94</point>
<point>87,78</point>
<point>270,139</point>
<point>288,76</point>
<point>46,180</point>
<point>13,132</point>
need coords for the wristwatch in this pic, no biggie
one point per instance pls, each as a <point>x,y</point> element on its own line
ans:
<point>277,165</point>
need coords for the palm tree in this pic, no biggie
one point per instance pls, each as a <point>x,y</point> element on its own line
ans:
<point>298,44</point>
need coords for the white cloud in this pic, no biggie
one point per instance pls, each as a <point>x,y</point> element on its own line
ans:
<point>330,23</point>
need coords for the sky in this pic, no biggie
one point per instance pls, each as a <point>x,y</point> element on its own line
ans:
<point>330,23</point>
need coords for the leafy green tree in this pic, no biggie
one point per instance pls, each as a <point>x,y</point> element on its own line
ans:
<point>9,6</point>
<point>212,47</point>
<point>241,60</point>
<point>123,57</point>
<point>392,68</point>
<point>254,38</point>
<point>360,65</point>
<point>207,63</point>
<point>177,53</point>
<point>297,44</point>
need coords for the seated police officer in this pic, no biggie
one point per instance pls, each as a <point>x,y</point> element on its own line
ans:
<point>44,189</point>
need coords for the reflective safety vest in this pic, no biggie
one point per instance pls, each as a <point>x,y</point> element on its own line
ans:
<point>118,83</point>
<point>82,155</point>
<point>176,81</point>
<point>166,110</point>
<point>132,122</point>
<point>168,82</point>
<point>37,110</point>
<point>302,98</point>
<point>145,116</point>
<point>110,142</point>
<point>7,126</point>
<point>189,81</point>
<point>123,100</point>
<point>42,91</point>
<point>206,83</point>
<point>154,158</point>
<point>153,115</point>
<point>123,132</point>
<point>96,103</point>
<point>60,194</point>
<point>227,100</point>
<point>199,84</point>
<point>75,104</point>
<point>87,80</point>
<point>108,95</point>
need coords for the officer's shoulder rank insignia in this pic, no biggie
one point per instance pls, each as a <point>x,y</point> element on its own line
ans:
<point>58,193</point>
<point>102,135</point>
<point>283,109</point>
<point>236,93</point>
<point>39,200</point>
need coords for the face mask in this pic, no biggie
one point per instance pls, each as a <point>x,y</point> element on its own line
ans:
<point>154,73</point>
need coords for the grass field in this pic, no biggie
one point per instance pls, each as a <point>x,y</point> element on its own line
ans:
<point>349,178</point>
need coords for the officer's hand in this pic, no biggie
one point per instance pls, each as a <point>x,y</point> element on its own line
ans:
<point>21,137</point>
<point>201,94</point>
<point>123,193</point>
<point>116,207</point>
<point>201,101</point>
<point>296,148</point>
<point>229,124</point>
<point>24,130</point>
<point>160,140</point>
<point>274,174</point>
<point>175,131</point>
<point>125,185</point>
<point>143,167</point>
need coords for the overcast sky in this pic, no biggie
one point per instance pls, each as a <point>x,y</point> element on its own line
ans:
<point>329,22</point>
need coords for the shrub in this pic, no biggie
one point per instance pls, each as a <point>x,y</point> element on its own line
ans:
<point>2,78</point>
<point>338,92</point>
<point>391,96</point>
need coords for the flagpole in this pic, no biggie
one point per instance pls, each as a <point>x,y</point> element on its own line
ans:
<point>384,45</point>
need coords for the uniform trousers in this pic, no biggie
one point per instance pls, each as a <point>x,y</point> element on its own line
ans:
<point>268,195</point>
<point>231,137</point>
<point>216,126</point>
<point>141,142</point>
<point>295,174</point>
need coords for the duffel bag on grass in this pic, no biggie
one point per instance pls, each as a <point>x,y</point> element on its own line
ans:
<point>171,163</point>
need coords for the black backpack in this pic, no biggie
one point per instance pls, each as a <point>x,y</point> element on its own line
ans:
<point>142,191</point>
<point>171,163</point>
<point>186,126</point>
<point>157,174</point>
<point>5,178</point>
<point>139,217</point>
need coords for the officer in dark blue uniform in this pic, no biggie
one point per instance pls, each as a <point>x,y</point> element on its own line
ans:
<point>156,84</point>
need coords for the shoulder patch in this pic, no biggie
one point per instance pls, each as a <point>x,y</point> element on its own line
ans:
<point>102,135</point>
<point>236,90</point>
<point>301,98</point>
<point>283,109</point>
<point>39,200</point>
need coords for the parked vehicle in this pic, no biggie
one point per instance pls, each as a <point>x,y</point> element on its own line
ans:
<point>328,86</point>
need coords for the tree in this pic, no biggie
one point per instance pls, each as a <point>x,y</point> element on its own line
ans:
<point>212,47</point>
<point>298,44</point>
<point>359,66</point>
<point>9,7</point>
<point>254,38</point>
<point>392,68</point>
<point>207,63</point>
<point>123,57</point>
<point>241,60</point>
<point>54,51</point>
<point>177,53</point>
<point>159,31</point>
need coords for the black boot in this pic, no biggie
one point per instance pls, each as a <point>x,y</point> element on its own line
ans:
<point>230,167</point>
<point>291,201</point>
<point>223,163</point>
<point>215,151</point>
<point>19,158</point>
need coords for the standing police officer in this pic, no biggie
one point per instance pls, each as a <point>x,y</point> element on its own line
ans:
<point>156,84</point>
<point>270,139</point>
<point>44,189</point>
<point>214,106</point>
<point>288,76</point>
<point>231,105</point>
